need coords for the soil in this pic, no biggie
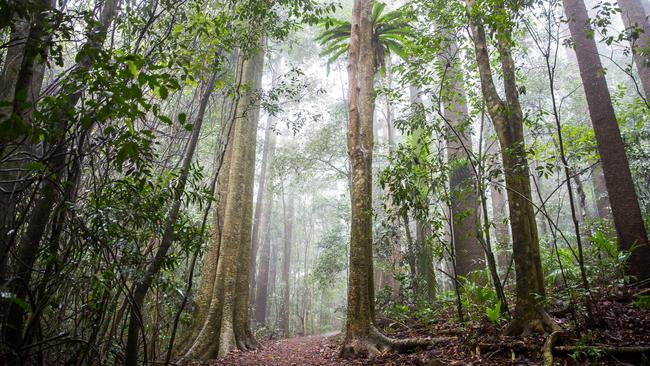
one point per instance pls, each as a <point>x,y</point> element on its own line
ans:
<point>621,323</point>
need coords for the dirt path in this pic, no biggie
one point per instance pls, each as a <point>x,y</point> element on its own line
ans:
<point>318,350</point>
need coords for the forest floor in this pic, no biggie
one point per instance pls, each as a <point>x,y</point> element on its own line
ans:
<point>622,338</point>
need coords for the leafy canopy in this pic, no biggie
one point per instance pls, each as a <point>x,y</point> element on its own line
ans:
<point>391,32</point>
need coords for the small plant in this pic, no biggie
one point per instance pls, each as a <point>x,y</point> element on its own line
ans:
<point>643,302</point>
<point>586,353</point>
<point>494,313</point>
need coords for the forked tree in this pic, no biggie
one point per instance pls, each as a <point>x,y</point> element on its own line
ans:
<point>508,119</point>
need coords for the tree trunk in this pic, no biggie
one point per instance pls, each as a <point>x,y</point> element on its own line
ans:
<point>618,179</point>
<point>425,260</point>
<point>136,318</point>
<point>600,193</point>
<point>285,305</point>
<point>635,19</point>
<point>226,326</point>
<point>361,336</point>
<point>499,209</point>
<point>21,80</point>
<point>507,118</point>
<point>267,155</point>
<point>205,292</point>
<point>273,274</point>
<point>582,199</point>
<point>469,253</point>
<point>395,255</point>
<point>261,290</point>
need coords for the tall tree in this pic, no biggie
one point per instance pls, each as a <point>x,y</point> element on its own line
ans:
<point>259,219</point>
<point>635,19</point>
<point>507,118</point>
<point>136,318</point>
<point>469,253</point>
<point>262,278</point>
<point>616,169</point>
<point>361,336</point>
<point>49,194</point>
<point>285,304</point>
<point>360,333</point>
<point>226,323</point>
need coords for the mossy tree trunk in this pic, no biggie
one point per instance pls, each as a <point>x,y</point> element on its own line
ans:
<point>361,336</point>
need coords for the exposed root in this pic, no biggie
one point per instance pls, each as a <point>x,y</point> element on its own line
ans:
<point>547,349</point>
<point>537,321</point>
<point>376,344</point>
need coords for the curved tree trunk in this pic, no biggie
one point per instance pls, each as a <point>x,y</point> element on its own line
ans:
<point>507,117</point>
<point>136,318</point>
<point>618,179</point>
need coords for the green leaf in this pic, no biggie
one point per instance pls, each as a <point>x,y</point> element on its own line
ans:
<point>129,124</point>
<point>494,314</point>
<point>133,68</point>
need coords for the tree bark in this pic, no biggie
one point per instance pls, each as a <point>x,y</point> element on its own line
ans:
<point>361,336</point>
<point>226,326</point>
<point>267,155</point>
<point>425,260</point>
<point>600,193</point>
<point>470,256</point>
<point>618,179</point>
<point>262,282</point>
<point>395,255</point>
<point>22,78</point>
<point>499,209</point>
<point>285,305</point>
<point>635,19</point>
<point>136,318</point>
<point>507,118</point>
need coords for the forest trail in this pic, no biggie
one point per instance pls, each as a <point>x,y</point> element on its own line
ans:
<point>314,350</point>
